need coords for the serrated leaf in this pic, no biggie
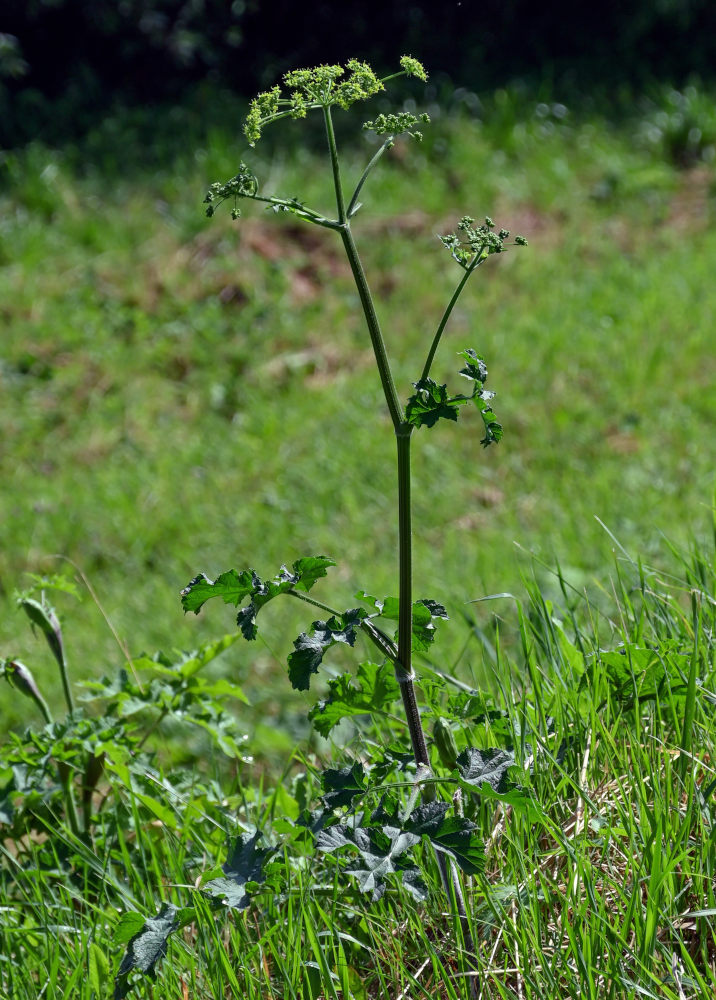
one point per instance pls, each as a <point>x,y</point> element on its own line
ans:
<point>493,429</point>
<point>475,368</point>
<point>424,611</point>
<point>379,852</point>
<point>309,569</point>
<point>244,864</point>
<point>430,403</point>
<point>149,944</point>
<point>309,647</point>
<point>486,772</point>
<point>454,835</point>
<point>373,688</point>
<point>234,587</point>
<point>342,785</point>
<point>478,767</point>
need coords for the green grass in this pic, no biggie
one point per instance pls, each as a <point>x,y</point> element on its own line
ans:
<point>181,394</point>
<point>178,394</point>
<point>611,895</point>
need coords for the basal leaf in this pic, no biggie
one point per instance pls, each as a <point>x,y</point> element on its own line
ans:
<point>244,864</point>
<point>414,884</point>
<point>454,835</point>
<point>309,647</point>
<point>486,772</point>
<point>477,767</point>
<point>371,690</point>
<point>149,944</point>
<point>379,852</point>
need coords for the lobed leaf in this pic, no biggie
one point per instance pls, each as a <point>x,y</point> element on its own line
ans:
<point>491,767</point>
<point>149,944</point>
<point>234,587</point>
<point>430,403</point>
<point>245,864</point>
<point>309,647</point>
<point>374,690</point>
<point>342,785</point>
<point>379,852</point>
<point>424,611</point>
<point>454,835</point>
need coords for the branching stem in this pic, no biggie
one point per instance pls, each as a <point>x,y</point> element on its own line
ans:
<point>446,316</point>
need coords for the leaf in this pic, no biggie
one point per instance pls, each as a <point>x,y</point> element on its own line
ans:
<point>431,402</point>
<point>424,611</point>
<point>233,587</point>
<point>454,835</point>
<point>309,647</point>
<point>486,771</point>
<point>475,367</point>
<point>244,864</point>
<point>491,767</point>
<point>375,689</point>
<point>341,786</point>
<point>414,884</point>
<point>379,851</point>
<point>309,569</point>
<point>149,944</point>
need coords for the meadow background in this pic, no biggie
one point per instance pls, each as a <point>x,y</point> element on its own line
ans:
<point>179,394</point>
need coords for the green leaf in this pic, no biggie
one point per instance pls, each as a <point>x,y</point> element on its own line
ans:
<point>486,772</point>
<point>379,852</point>
<point>341,786</point>
<point>149,944</point>
<point>309,569</point>
<point>424,611</point>
<point>475,367</point>
<point>233,587</point>
<point>375,689</point>
<point>310,646</point>
<point>491,767</point>
<point>454,835</point>
<point>431,402</point>
<point>244,864</point>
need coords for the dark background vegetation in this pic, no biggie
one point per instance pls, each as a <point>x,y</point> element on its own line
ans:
<point>63,63</point>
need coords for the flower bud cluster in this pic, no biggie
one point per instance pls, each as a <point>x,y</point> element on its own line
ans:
<point>243,185</point>
<point>473,242</point>
<point>404,121</point>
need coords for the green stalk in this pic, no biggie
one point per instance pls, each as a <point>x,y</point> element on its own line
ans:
<point>446,316</point>
<point>403,431</point>
<point>353,205</point>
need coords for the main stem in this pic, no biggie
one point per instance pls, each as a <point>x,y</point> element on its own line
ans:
<point>403,431</point>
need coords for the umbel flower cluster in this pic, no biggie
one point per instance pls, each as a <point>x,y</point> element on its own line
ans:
<point>320,87</point>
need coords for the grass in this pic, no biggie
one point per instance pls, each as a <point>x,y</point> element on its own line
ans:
<point>166,384</point>
<point>612,894</point>
<point>166,379</point>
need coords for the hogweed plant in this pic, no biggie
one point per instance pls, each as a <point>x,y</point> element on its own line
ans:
<point>373,812</point>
